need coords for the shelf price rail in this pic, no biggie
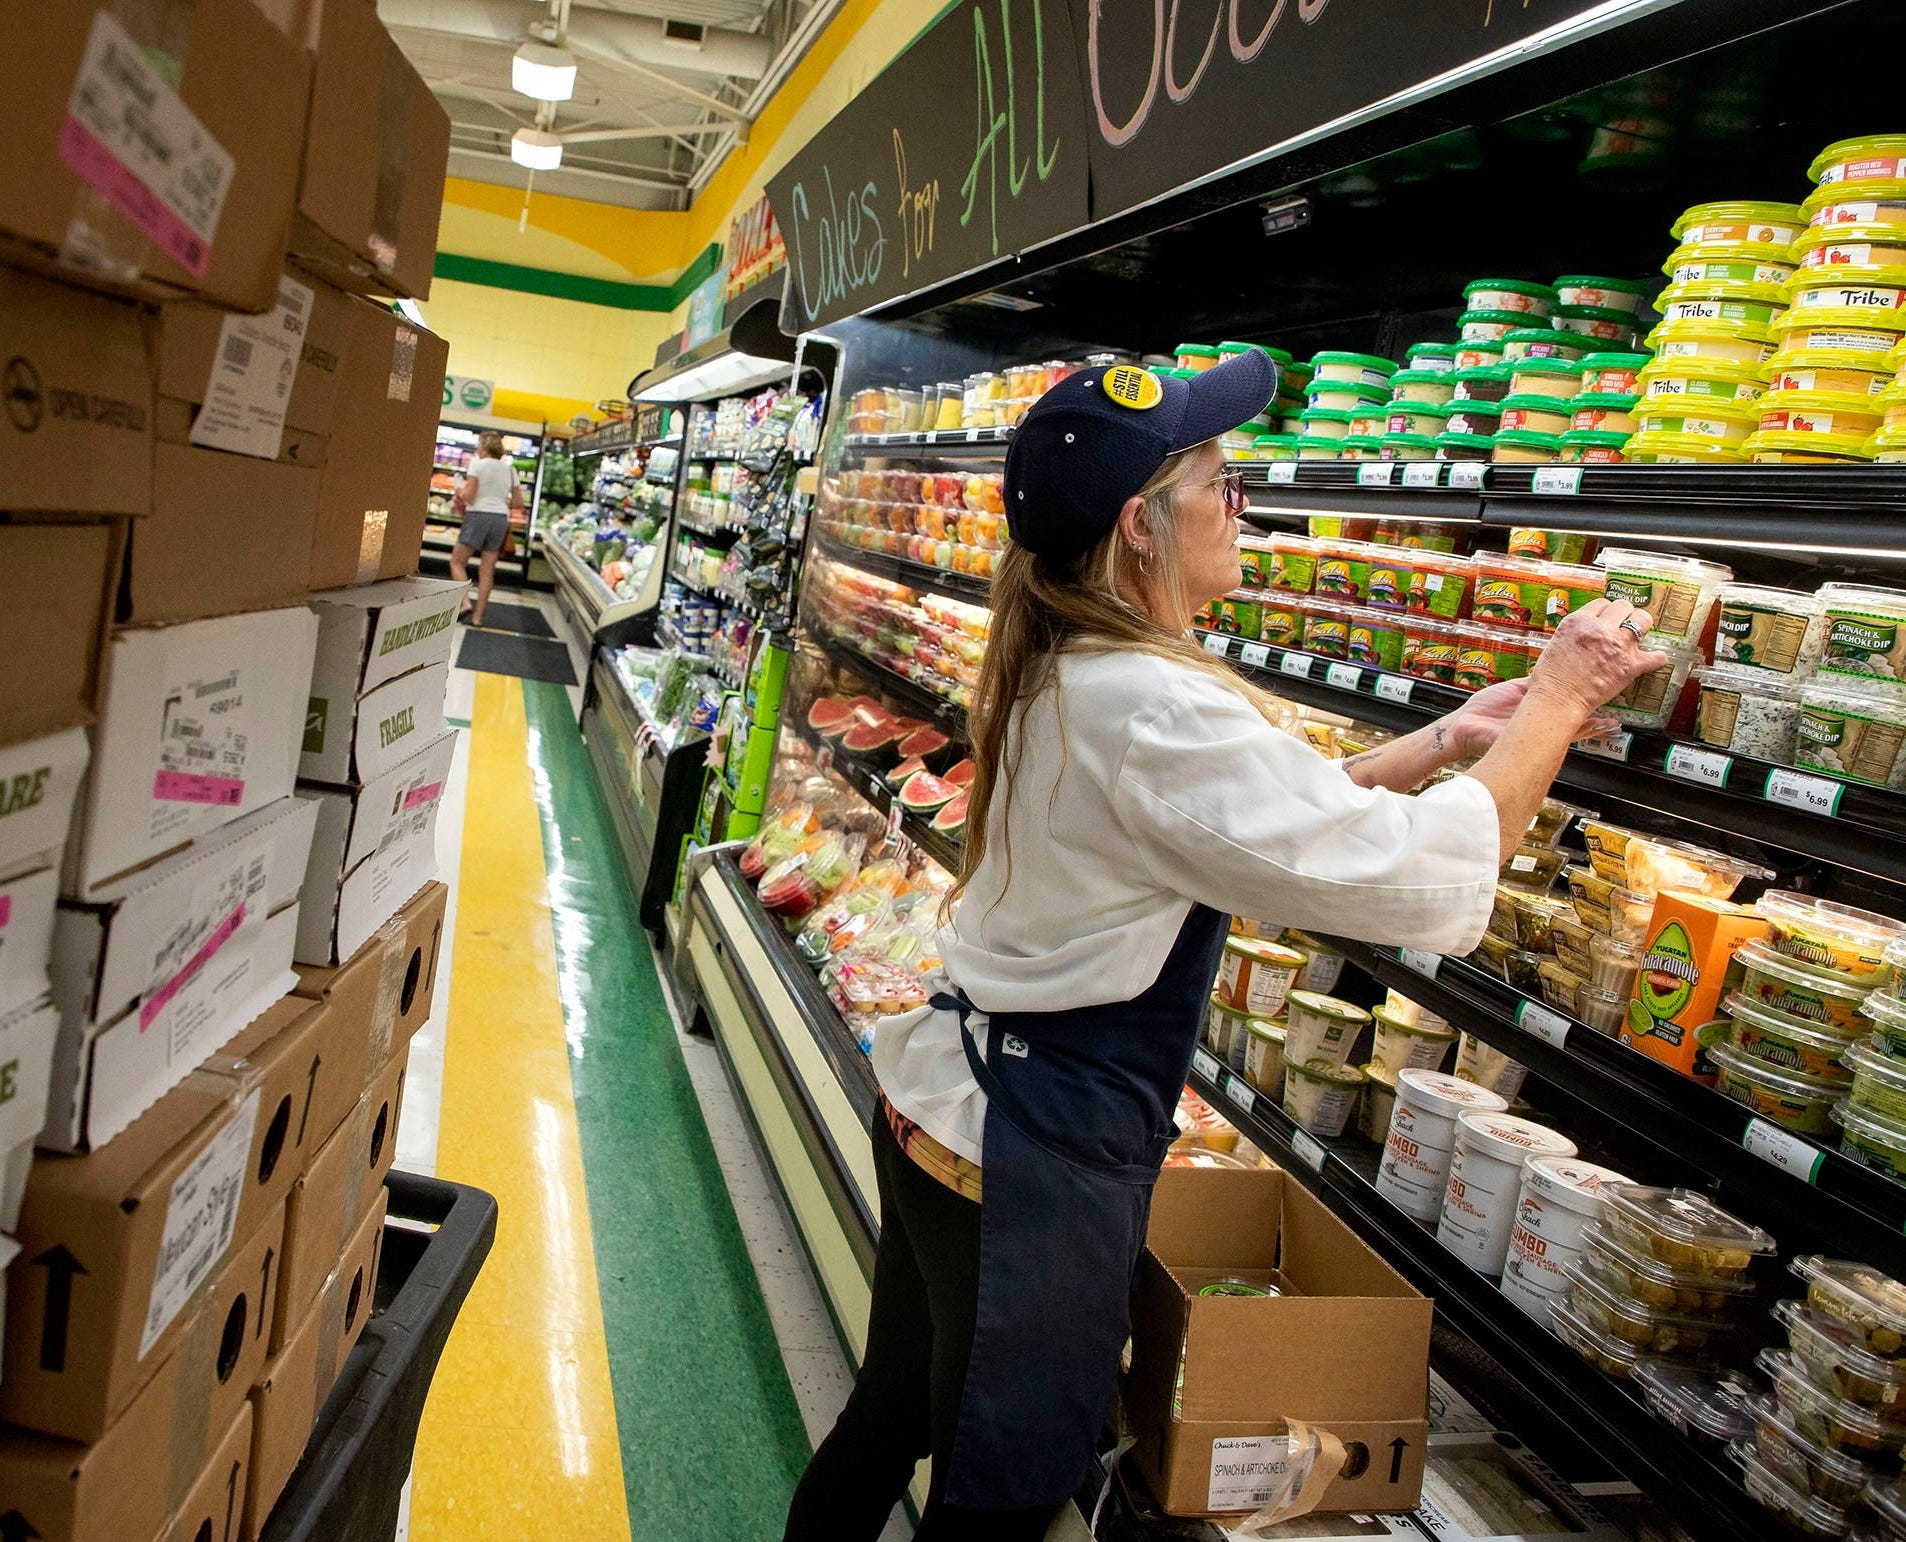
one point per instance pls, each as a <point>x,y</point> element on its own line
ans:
<point>904,570</point>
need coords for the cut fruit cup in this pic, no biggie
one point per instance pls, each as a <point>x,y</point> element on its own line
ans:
<point>1834,1356</point>
<point>1683,1230</point>
<point>1611,1310</point>
<point>1824,1416</point>
<point>1654,1284</point>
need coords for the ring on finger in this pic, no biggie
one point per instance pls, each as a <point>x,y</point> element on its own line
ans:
<point>1634,627</point>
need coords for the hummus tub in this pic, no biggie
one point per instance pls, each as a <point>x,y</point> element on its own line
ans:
<point>1821,298</point>
<point>1821,935</point>
<point>1536,415</point>
<point>1592,447</point>
<point>1492,326</point>
<point>1781,448</point>
<point>1378,1105</point>
<point>1557,378</point>
<point>1440,357</point>
<point>1865,634</point>
<point>1699,380</point>
<point>1509,294</point>
<point>1473,418</point>
<point>1485,1181</point>
<point>1544,343</point>
<point>1369,420</point>
<point>1432,418</point>
<point>1461,447</point>
<point>1712,340</point>
<point>1352,368</point>
<point>1320,1096</point>
<point>1721,265</point>
<point>1558,1201</point>
<point>1771,226</point>
<point>1853,731</point>
<point>1800,1103</point>
<point>1613,372</point>
<point>1748,712</point>
<point>1422,386</point>
<point>1345,395</point>
<point>1876,157</point>
<point>1421,1136</point>
<point>1681,450</point>
<point>1274,447</point>
<point>1715,421</point>
<point>1604,412</point>
<point>1803,1048</point>
<point>1839,413</point>
<point>1264,1056</point>
<point>1484,383</point>
<point>1525,447</point>
<point>1678,592</point>
<point>1407,447</point>
<point>1859,249</point>
<point>1323,423</point>
<point>1768,631</point>
<point>1852,335</point>
<point>1599,323</point>
<point>1321,1028</point>
<point>1401,1045</point>
<point>1360,447</point>
<point>1835,1356</point>
<point>1618,294</point>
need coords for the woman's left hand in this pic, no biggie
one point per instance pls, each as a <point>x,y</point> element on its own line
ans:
<point>1474,727</point>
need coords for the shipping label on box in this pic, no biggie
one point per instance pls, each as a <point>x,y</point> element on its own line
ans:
<point>201,725</point>
<point>357,739</point>
<point>248,392</point>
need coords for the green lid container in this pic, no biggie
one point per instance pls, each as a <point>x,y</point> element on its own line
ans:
<point>1540,335</point>
<point>1510,286</point>
<point>1599,313</point>
<point>1361,360</point>
<point>1326,415</point>
<point>1480,444</point>
<point>1485,372</point>
<point>1196,351</point>
<point>1282,358</point>
<point>1421,377</point>
<point>1444,351</point>
<point>1277,446</point>
<point>1529,401</point>
<point>1543,366</point>
<point>1600,361</point>
<point>1368,393</point>
<point>1171,372</point>
<point>1593,439</point>
<point>1589,281</point>
<point>1528,439</point>
<point>1361,446</point>
<point>1495,318</point>
<point>1416,446</point>
<point>1613,401</point>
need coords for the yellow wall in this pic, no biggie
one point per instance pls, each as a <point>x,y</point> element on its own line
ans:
<point>562,355</point>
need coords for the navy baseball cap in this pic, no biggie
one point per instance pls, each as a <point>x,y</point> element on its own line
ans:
<point>1092,441</point>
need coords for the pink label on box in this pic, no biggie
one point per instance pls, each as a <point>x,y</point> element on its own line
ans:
<point>223,933</point>
<point>191,787</point>
<point>426,794</point>
<point>6,908</point>
<point>119,185</point>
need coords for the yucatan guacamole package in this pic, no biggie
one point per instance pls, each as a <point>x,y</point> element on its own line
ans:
<point>1684,968</point>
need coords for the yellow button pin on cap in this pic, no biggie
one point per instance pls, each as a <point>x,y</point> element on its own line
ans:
<point>1132,387</point>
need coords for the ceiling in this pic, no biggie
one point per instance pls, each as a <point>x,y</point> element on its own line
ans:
<point>664,88</point>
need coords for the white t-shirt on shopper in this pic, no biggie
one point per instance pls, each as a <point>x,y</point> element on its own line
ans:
<point>1145,787</point>
<point>495,480</point>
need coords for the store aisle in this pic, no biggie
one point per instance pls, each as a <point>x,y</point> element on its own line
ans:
<point>617,1339</point>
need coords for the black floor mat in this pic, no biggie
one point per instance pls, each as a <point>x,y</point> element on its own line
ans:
<point>502,653</point>
<point>524,620</point>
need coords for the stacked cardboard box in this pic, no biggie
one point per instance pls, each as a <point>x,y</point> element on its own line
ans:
<point>208,416</point>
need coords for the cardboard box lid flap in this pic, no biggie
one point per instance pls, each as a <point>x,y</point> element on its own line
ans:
<point>1318,1263</point>
<point>1218,1217</point>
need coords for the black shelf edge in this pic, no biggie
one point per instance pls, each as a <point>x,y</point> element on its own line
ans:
<point>702,589</point>
<point>1703,1492</point>
<point>1673,1121</point>
<point>903,570</point>
<point>869,784</point>
<point>919,701</point>
<point>1863,831</point>
<point>1401,489</point>
<point>989,442</point>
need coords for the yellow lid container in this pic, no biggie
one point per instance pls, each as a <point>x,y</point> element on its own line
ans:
<point>1682,450</point>
<point>1858,248</point>
<point>1715,421</point>
<point>1881,202</point>
<point>1876,298</point>
<point>1841,333</point>
<point>1775,447</point>
<point>1827,369</point>
<point>1734,262</point>
<point>1889,444</point>
<point>1711,340</point>
<point>1696,379</point>
<point>1839,414</point>
<point>1877,158</point>
<point>1761,225</point>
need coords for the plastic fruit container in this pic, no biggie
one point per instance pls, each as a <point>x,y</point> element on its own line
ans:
<point>1803,1104</point>
<point>1835,1357</point>
<point>1860,1298</point>
<point>1781,1041</point>
<point>1822,935</point>
<point>1801,1462</point>
<point>1709,1408</point>
<point>1817,997</point>
<point>1656,1285</point>
<point>1823,1415</point>
<point>1800,1511</point>
<point>1872,1140</point>
<point>1609,1309</point>
<point>1683,1229</point>
<point>1608,1354</point>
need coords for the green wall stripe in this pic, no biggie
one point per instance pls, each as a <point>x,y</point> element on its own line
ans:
<point>573,286</point>
<point>712,1439</point>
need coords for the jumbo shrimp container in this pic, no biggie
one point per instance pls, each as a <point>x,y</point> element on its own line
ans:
<point>1421,1138</point>
<point>1485,1184</point>
<point>1559,1197</point>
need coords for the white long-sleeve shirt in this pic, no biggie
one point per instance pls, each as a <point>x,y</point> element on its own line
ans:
<point>1145,787</point>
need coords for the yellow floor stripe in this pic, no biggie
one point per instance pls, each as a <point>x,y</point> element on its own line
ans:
<point>519,1435</point>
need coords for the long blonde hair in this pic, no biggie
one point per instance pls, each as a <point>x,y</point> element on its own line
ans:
<point>1042,609</point>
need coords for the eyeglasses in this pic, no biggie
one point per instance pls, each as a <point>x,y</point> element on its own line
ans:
<point>1231,481</point>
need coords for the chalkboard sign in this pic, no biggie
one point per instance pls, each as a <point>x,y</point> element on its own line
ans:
<point>969,147</point>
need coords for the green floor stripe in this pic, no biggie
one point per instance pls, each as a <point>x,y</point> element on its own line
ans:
<point>712,1439</point>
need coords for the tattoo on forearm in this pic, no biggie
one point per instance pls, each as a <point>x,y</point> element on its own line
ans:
<point>1441,734</point>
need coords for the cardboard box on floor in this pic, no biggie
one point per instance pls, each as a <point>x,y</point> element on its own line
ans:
<point>154,149</point>
<point>369,636</point>
<point>289,1396</point>
<point>215,1502</point>
<point>374,848</point>
<point>376,150</point>
<point>1345,1349</point>
<point>152,1461</point>
<point>78,429</point>
<point>141,1229</point>
<point>156,973</point>
<point>200,725</point>
<point>56,593</point>
<point>335,1191</point>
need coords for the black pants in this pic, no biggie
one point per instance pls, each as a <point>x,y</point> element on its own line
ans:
<point>906,1403</point>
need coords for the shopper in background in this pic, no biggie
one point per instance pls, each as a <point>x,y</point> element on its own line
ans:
<point>490,494</point>
<point>1131,794</point>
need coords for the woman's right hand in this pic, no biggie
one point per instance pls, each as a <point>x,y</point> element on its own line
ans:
<point>1593,657</point>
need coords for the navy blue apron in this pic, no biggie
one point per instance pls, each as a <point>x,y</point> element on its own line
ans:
<point>1078,1120</point>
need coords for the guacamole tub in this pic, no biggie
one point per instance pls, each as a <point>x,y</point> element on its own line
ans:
<point>1781,1041</point>
<point>1887,1013</point>
<point>1779,984</point>
<point>1873,1140</point>
<point>1803,1104</point>
<point>1879,1081</point>
<point>1820,934</point>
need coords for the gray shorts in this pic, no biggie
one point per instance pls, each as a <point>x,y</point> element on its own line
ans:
<point>483,530</point>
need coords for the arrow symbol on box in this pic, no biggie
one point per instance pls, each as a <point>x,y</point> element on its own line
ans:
<point>60,1267</point>
<point>15,1527</point>
<point>1397,1448</point>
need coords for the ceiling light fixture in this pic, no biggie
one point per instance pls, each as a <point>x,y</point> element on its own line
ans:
<point>538,149</point>
<point>544,72</point>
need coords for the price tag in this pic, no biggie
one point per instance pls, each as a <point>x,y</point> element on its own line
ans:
<point>894,815</point>
<point>1375,473</point>
<point>1548,1026</point>
<point>1422,473</point>
<point>1789,1153</point>
<point>1608,747</point>
<point>1708,767</point>
<point>1816,794</point>
<point>1205,1064</point>
<point>1281,473</point>
<point>1467,475</point>
<point>825,760</point>
<point>1255,653</point>
<point>1242,1093</point>
<point>1558,479</point>
<point>1395,688</point>
<point>1425,964</point>
<point>1346,677</point>
<point>1215,645</point>
<point>1310,1151</point>
<point>1297,664</point>
<point>972,436</point>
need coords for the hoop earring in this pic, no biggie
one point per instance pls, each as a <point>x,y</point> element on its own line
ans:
<point>1145,563</point>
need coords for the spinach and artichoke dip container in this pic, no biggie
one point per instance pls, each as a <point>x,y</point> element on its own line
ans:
<point>1769,631</point>
<point>1865,636</point>
<point>1854,729</point>
<point>1677,592</point>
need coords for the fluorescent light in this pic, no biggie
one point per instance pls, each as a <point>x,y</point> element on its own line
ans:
<point>537,149</point>
<point>724,375</point>
<point>544,72</point>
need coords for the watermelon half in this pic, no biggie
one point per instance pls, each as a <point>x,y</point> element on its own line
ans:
<point>829,718</point>
<point>874,742</point>
<point>907,768</point>
<point>926,792</point>
<point>962,775</point>
<point>929,744</point>
<point>952,819</point>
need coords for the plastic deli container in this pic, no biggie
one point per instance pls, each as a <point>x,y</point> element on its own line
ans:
<point>1555,379</point>
<point>1224,1025</point>
<point>1320,1095</point>
<point>1823,935</point>
<point>1678,592</point>
<point>1537,414</point>
<point>1603,1010</point>
<point>1835,414</point>
<point>1709,1408</point>
<point>1865,634</point>
<point>1716,422</point>
<point>1488,1067</point>
<point>1325,967</point>
<point>1378,1106</point>
<point>1888,1012</point>
<point>1835,1357</point>
<point>1798,1510</point>
<point>1650,701</point>
<point>1478,355</point>
<point>1879,1082</point>
<point>1604,1351</point>
<point>1264,1056</point>
<point>1593,447</point>
<point>1683,1229</point>
<point>1615,328</point>
<point>1484,383</point>
<point>1485,1179</point>
<point>1421,387</point>
<point>1353,368</point>
<point>1683,450</point>
<point>1323,423</point>
<point>1819,997</point>
<point>1440,357</point>
<point>1440,584</point>
<point>1693,265</point>
<point>1780,1041</point>
<point>1785,447</point>
<point>1544,343</point>
<point>1408,1011</point>
<point>1619,294</point>
<point>1524,447</point>
<point>1771,631</point>
<point>1697,381</point>
<point>1321,1028</point>
<point>1431,648</point>
<point>1772,227</point>
<point>1673,1335</point>
<point>1654,1284</point>
<point>1748,712</point>
<point>1559,1200</point>
<point>1509,294</point>
<point>1872,1140</point>
<point>1470,420</point>
<point>1853,730</point>
<point>1800,1461</point>
<point>1605,412</point>
<point>1491,326</point>
<point>1857,375</point>
<point>1710,340</point>
<point>1803,1104</point>
<point>1870,1304</point>
<point>1259,975</point>
<point>1838,1423</point>
<point>1401,1046</point>
<point>1421,1137</point>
